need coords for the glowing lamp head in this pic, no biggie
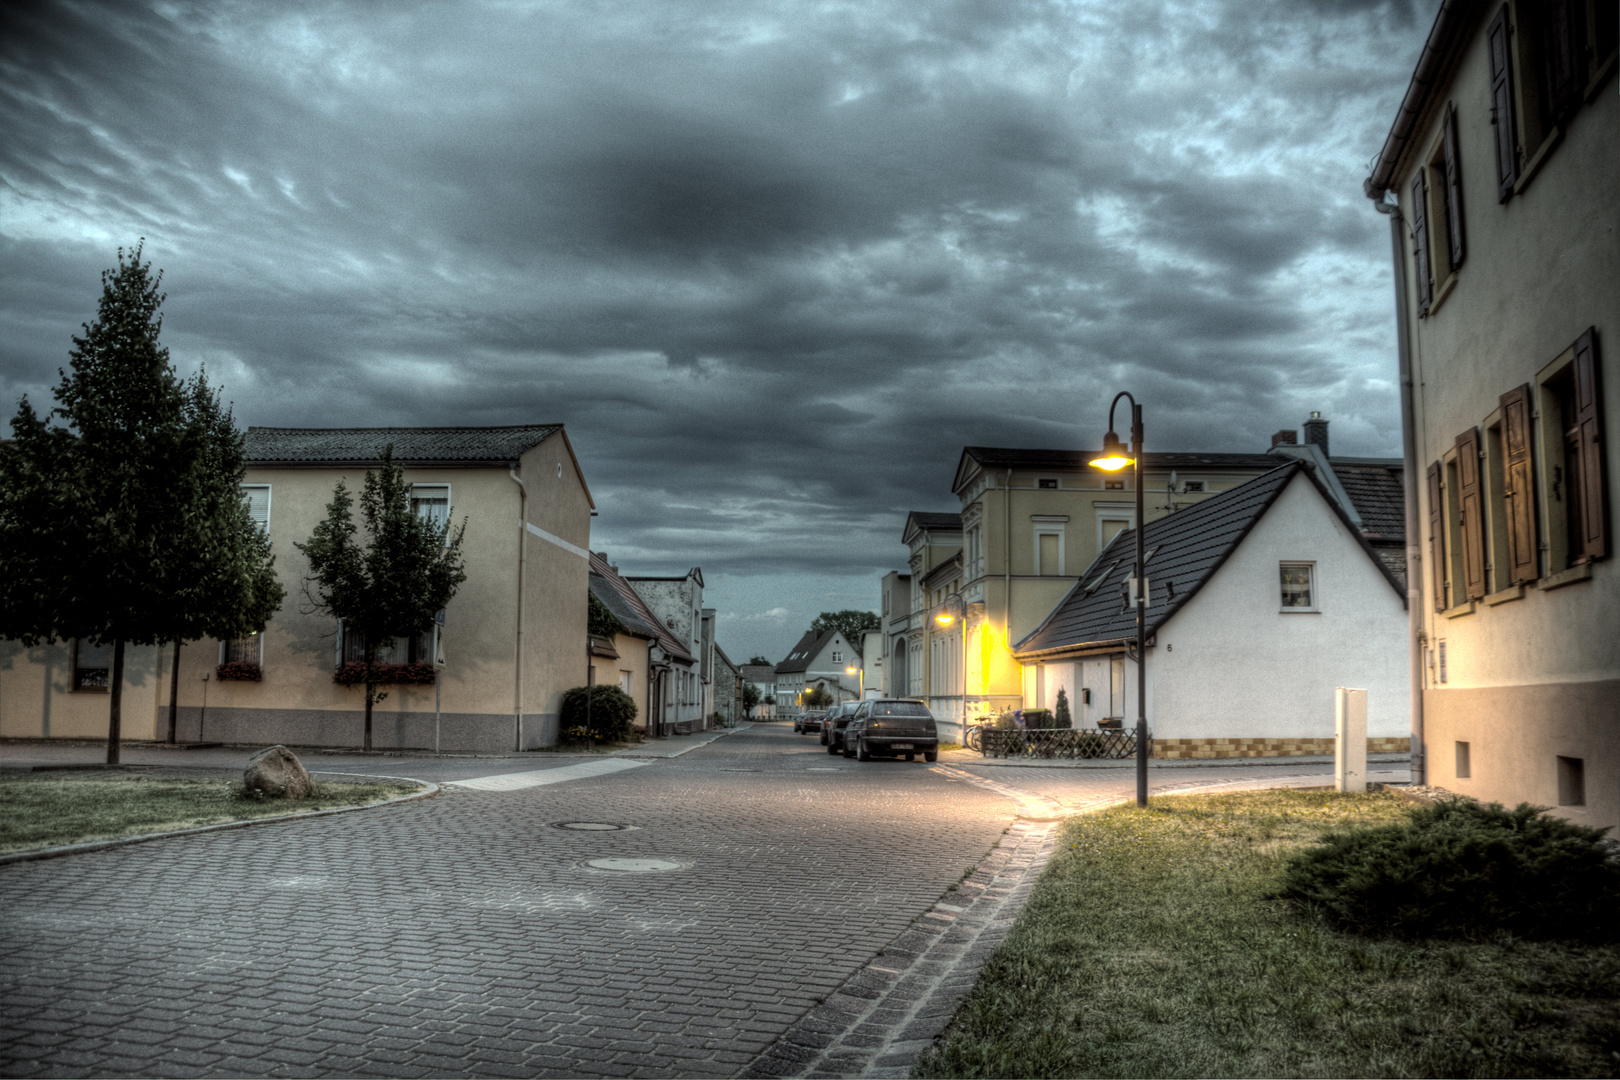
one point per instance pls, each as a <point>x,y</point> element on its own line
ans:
<point>1114,456</point>
<point>944,618</point>
<point>851,670</point>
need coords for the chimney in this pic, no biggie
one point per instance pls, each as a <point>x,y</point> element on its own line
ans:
<point>1285,437</point>
<point>1316,432</point>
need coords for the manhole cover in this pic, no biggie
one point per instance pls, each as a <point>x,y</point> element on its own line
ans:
<point>591,826</point>
<point>635,866</point>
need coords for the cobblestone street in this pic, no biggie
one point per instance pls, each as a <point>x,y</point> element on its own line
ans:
<point>467,934</point>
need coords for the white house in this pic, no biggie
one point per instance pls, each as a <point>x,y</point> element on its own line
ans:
<point>1262,599</point>
<point>678,604</point>
<point>819,661</point>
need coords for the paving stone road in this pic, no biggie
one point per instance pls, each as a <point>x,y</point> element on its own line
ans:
<point>467,935</point>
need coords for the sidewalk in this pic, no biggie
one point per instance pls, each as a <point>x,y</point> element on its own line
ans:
<point>974,758</point>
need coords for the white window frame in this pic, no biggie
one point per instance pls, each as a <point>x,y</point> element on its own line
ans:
<point>448,502</point>
<point>1107,511</point>
<point>246,488</point>
<point>224,644</point>
<point>1050,526</point>
<point>73,671</point>
<point>1315,607</point>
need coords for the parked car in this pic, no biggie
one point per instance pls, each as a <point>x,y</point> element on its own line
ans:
<point>809,723</point>
<point>892,727</point>
<point>832,729</point>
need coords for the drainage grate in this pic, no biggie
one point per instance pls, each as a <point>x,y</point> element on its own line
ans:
<point>635,866</point>
<point>591,826</point>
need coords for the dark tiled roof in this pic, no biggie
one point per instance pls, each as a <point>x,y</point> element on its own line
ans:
<point>629,608</point>
<point>1187,548</point>
<point>1000,457</point>
<point>365,445</point>
<point>1393,556</point>
<point>799,657</point>
<point>1379,494</point>
<point>923,519</point>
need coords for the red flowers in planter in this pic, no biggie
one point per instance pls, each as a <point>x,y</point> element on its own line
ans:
<point>239,671</point>
<point>353,673</point>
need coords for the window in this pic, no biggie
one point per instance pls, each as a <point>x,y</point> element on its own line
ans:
<point>406,648</point>
<point>838,657</point>
<point>249,650</point>
<point>627,681</point>
<point>1193,485</point>
<point>1440,650</point>
<point>1464,768</point>
<point>1048,483</point>
<point>1437,224</point>
<point>1298,581</point>
<point>1113,485</point>
<point>1049,545</point>
<point>91,663</point>
<point>1545,58</point>
<point>432,503</point>
<point>258,500</point>
<point>1571,781</point>
<point>1574,491</point>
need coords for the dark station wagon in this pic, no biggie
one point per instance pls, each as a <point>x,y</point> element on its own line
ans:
<point>892,727</point>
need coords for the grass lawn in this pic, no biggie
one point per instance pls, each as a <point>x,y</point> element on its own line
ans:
<point>1152,947</point>
<point>44,810</point>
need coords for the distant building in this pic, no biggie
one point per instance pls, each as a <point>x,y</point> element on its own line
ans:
<point>649,661</point>
<point>763,679</point>
<point>677,602</point>
<point>819,661</point>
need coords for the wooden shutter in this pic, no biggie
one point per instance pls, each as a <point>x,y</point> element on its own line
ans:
<point>1420,241</point>
<point>1437,537</point>
<point>1589,419</point>
<point>1519,490</point>
<point>1507,134</point>
<point>1563,44</point>
<point>1454,215</point>
<point>1471,510</point>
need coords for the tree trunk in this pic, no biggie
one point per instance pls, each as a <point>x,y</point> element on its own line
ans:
<point>116,702</point>
<point>174,691</point>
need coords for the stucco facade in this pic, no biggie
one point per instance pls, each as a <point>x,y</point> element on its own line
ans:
<point>1508,293</point>
<point>502,685</point>
<point>677,602</point>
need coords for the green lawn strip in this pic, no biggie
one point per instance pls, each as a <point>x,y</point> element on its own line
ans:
<point>37,812</point>
<point>1152,946</point>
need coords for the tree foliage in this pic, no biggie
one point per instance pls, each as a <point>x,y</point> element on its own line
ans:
<point>750,697</point>
<point>759,660</point>
<point>392,584</point>
<point>601,622</point>
<point>849,622</point>
<point>1060,714</point>
<point>818,698</point>
<point>124,522</point>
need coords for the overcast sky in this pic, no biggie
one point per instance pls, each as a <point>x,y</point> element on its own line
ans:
<point>772,264</point>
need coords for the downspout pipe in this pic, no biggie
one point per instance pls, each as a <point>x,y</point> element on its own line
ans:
<point>1409,477</point>
<point>523,547</point>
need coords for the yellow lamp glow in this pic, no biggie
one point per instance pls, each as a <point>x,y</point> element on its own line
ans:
<point>852,669</point>
<point>944,618</point>
<point>1113,457</point>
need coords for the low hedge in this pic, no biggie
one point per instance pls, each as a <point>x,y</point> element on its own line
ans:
<point>1463,869</point>
<point>613,711</point>
<point>238,671</point>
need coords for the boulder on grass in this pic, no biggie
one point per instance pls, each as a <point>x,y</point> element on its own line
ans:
<point>278,774</point>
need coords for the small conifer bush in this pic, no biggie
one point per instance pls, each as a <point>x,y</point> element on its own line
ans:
<point>1463,869</point>
<point>1061,717</point>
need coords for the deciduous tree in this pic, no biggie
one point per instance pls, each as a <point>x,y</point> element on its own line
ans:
<point>849,622</point>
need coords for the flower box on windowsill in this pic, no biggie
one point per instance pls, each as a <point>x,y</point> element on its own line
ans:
<point>239,671</point>
<point>353,673</point>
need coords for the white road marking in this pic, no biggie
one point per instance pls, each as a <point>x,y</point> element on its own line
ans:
<point>517,781</point>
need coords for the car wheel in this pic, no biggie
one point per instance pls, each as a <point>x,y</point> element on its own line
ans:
<point>930,755</point>
<point>833,748</point>
<point>911,757</point>
<point>861,752</point>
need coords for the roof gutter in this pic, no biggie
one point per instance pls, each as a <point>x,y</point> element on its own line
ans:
<point>1447,23</point>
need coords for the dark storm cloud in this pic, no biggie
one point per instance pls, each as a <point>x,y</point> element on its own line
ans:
<point>772,264</point>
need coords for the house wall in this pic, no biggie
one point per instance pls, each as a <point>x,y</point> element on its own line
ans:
<point>37,699</point>
<point>1532,673</point>
<point>632,658</point>
<point>296,702</point>
<point>678,603</point>
<point>1231,665</point>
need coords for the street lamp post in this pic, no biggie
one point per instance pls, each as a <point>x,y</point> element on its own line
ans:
<point>1113,459</point>
<point>861,671</point>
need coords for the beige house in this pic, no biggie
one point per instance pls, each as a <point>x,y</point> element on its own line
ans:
<point>1504,158</point>
<point>645,659</point>
<point>513,638</point>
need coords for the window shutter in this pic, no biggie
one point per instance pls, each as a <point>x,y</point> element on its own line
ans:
<point>1454,191</point>
<point>1589,418</point>
<point>258,500</point>
<point>1519,492</point>
<point>1471,510</point>
<point>1437,537</point>
<point>1507,135</point>
<point>1420,242</point>
<point>1564,44</point>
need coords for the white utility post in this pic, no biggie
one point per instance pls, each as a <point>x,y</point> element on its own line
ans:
<point>1350,739</point>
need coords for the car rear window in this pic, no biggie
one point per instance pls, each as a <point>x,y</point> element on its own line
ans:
<point>900,708</point>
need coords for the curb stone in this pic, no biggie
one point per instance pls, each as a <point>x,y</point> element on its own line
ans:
<point>36,854</point>
<point>892,1010</point>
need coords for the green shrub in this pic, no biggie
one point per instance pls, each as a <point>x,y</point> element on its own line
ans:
<point>1462,869</point>
<point>612,711</point>
<point>1038,719</point>
<point>1061,717</point>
